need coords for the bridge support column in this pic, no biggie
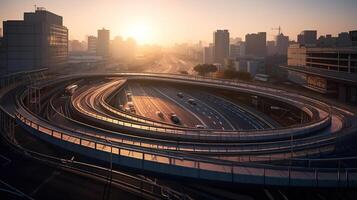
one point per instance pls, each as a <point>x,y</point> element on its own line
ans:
<point>34,98</point>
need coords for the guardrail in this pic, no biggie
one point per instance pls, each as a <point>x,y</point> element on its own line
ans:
<point>344,176</point>
<point>320,143</point>
<point>203,165</point>
<point>206,134</point>
<point>143,187</point>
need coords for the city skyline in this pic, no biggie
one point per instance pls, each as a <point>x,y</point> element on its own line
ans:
<point>178,99</point>
<point>166,22</point>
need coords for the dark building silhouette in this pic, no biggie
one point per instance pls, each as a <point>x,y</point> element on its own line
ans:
<point>255,44</point>
<point>221,46</point>
<point>103,43</point>
<point>353,37</point>
<point>282,44</point>
<point>307,38</point>
<point>38,41</point>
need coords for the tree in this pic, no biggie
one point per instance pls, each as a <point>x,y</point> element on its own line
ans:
<point>183,72</point>
<point>203,69</point>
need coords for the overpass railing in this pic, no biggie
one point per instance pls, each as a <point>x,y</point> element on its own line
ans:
<point>264,171</point>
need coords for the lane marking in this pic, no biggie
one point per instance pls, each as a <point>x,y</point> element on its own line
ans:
<point>194,114</point>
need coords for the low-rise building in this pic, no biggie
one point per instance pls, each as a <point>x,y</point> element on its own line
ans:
<point>331,71</point>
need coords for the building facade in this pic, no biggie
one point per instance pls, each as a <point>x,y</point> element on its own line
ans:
<point>307,38</point>
<point>282,44</point>
<point>103,43</point>
<point>38,41</point>
<point>92,44</point>
<point>353,37</point>
<point>208,55</point>
<point>331,71</point>
<point>255,44</point>
<point>221,46</point>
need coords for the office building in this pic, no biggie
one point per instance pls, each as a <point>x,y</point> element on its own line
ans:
<point>76,46</point>
<point>234,51</point>
<point>208,54</point>
<point>3,67</point>
<point>255,44</point>
<point>92,44</point>
<point>343,40</point>
<point>353,37</point>
<point>307,38</point>
<point>250,64</point>
<point>282,44</point>
<point>221,46</point>
<point>331,71</point>
<point>38,41</point>
<point>271,48</point>
<point>103,43</point>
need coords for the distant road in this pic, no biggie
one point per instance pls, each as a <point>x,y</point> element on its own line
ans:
<point>172,64</point>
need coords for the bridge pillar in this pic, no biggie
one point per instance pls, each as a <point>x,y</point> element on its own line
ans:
<point>34,98</point>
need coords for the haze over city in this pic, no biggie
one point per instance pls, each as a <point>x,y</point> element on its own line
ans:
<point>178,99</point>
<point>166,22</point>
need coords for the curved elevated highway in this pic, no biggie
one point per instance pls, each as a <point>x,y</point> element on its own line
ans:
<point>227,131</point>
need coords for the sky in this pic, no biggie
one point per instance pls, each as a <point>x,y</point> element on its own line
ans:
<point>166,22</point>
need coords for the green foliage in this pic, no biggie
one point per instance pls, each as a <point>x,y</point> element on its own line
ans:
<point>203,69</point>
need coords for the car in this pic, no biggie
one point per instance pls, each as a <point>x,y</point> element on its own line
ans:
<point>121,107</point>
<point>160,114</point>
<point>199,126</point>
<point>129,96</point>
<point>192,101</point>
<point>131,107</point>
<point>174,118</point>
<point>180,94</point>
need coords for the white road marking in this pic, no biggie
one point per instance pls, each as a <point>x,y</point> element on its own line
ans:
<point>182,106</point>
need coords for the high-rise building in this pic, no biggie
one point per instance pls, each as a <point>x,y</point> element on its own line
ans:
<point>234,51</point>
<point>221,46</point>
<point>92,44</point>
<point>208,54</point>
<point>307,38</point>
<point>38,41</point>
<point>255,44</point>
<point>271,48</point>
<point>282,44</point>
<point>103,43</point>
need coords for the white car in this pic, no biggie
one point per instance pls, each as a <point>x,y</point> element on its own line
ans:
<point>192,101</point>
<point>199,126</point>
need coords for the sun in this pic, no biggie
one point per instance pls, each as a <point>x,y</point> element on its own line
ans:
<point>141,32</point>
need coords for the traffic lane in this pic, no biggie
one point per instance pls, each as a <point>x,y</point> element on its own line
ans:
<point>211,118</point>
<point>168,106</point>
<point>148,102</point>
<point>238,116</point>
